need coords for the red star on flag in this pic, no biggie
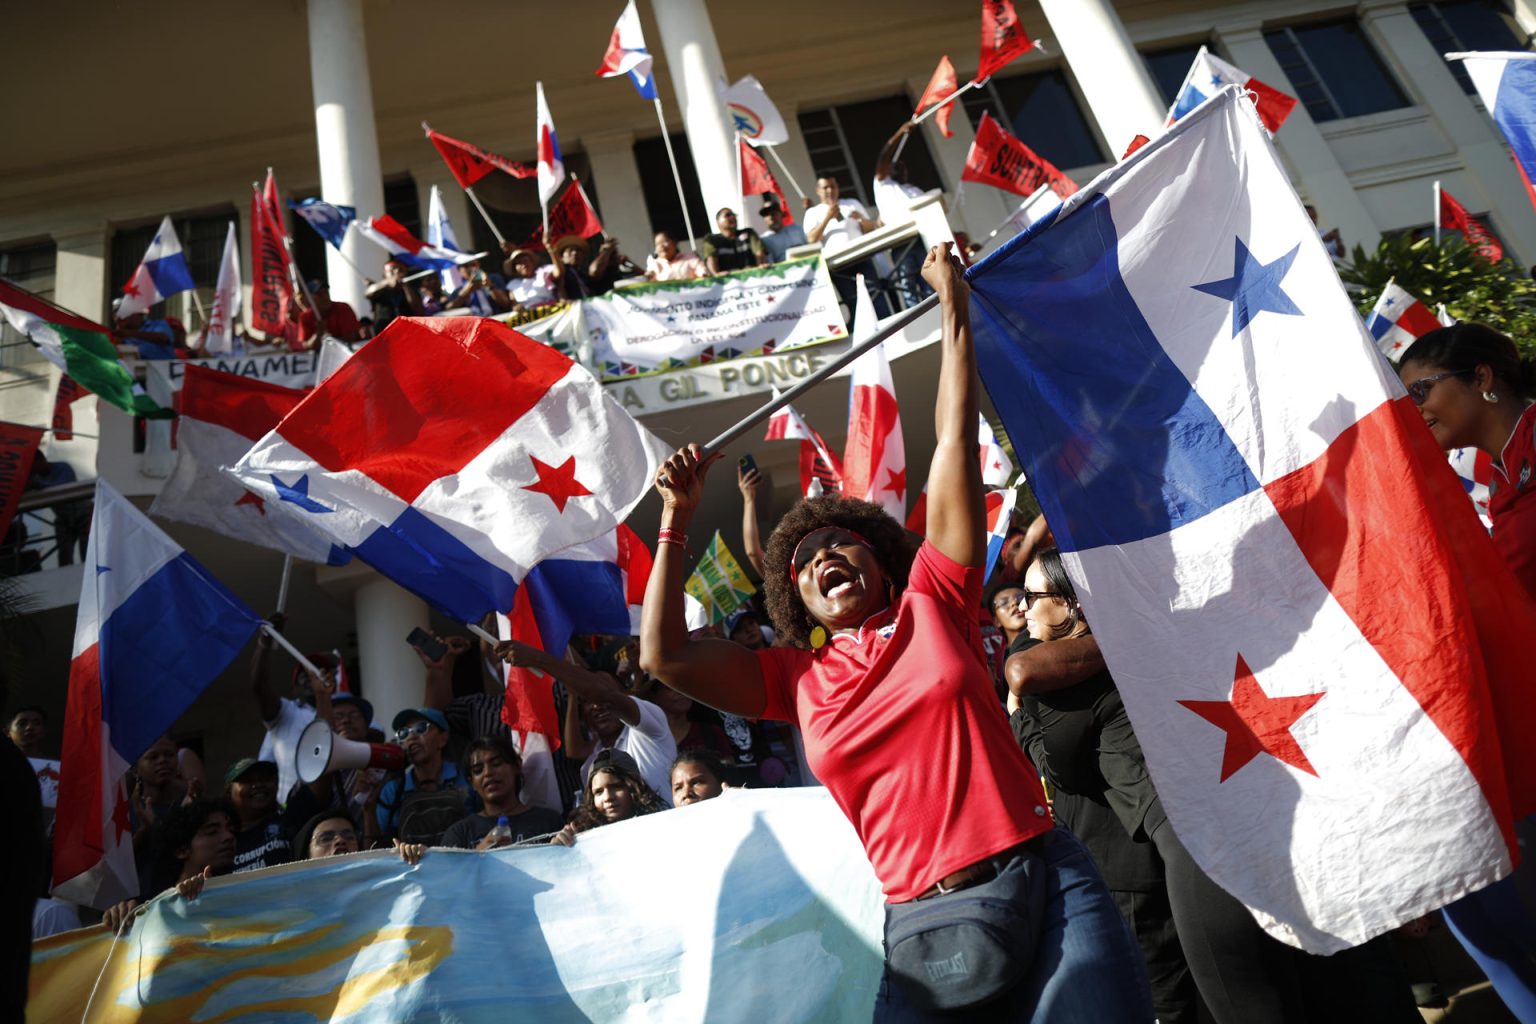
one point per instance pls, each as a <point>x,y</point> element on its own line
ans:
<point>559,483</point>
<point>248,498</point>
<point>130,288</point>
<point>1256,723</point>
<point>120,819</point>
<point>897,484</point>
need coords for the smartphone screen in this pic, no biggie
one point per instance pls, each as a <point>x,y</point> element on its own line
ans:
<point>422,640</point>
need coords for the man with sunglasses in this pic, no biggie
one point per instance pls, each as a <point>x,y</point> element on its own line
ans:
<point>431,796</point>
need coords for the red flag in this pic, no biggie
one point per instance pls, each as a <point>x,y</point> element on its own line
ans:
<point>571,215</point>
<point>756,179</point>
<point>941,86</point>
<point>1454,215</point>
<point>1136,143</point>
<point>17,446</point>
<point>469,163</point>
<point>998,159</point>
<point>270,294</point>
<point>63,411</point>
<point>1002,37</point>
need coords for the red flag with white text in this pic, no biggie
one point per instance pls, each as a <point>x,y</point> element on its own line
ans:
<point>270,294</point>
<point>18,445</point>
<point>469,163</point>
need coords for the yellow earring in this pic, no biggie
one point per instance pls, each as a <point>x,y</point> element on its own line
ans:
<point>818,637</point>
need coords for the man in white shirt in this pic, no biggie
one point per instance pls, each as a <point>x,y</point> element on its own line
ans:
<point>284,718</point>
<point>836,223</point>
<point>893,195</point>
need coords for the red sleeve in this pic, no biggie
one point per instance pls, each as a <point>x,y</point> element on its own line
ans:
<point>954,586</point>
<point>781,668</point>
<point>346,325</point>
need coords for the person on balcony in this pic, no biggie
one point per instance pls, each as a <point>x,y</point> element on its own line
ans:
<point>732,248</point>
<point>667,263</point>
<point>835,222</point>
<point>780,236</point>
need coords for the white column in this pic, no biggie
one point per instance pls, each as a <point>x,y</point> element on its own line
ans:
<point>345,137</point>
<point>80,285</point>
<point>693,58</point>
<point>1474,134</point>
<point>1114,80</point>
<point>617,178</point>
<point>392,675</point>
<point>1307,153</point>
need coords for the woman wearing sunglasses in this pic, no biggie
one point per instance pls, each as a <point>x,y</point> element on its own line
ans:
<point>1475,391</point>
<point>989,910</point>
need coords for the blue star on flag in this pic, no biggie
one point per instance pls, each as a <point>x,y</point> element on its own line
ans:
<point>298,493</point>
<point>1254,287</point>
<point>103,568</point>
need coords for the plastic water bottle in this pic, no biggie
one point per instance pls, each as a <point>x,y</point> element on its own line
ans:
<point>503,830</point>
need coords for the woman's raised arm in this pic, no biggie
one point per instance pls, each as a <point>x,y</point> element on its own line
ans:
<point>956,511</point>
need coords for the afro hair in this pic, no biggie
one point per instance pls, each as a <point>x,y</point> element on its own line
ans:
<point>893,548</point>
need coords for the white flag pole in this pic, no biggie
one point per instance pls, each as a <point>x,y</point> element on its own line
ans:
<point>282,586</point>
<point>947,100</point>
<point>427,129</point>
<point>773,152</point>
<point>287,645</point>
<point>736,137</point>
<point>1437,213</point>
<point>677,179</point>
<point>493,641</point>
<point>347,259</point>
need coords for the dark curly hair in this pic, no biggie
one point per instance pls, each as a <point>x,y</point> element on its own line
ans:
<point>587,816</point>
<point>893,548</point>
<point>176,831</point>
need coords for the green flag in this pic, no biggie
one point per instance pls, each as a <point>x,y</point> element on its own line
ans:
<point>718,582</point>
<point>81,348</point>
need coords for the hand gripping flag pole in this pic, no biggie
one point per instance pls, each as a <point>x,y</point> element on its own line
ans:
<point>896,323</point>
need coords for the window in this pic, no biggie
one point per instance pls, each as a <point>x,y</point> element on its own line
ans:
<point>30,266</point>
<point>400,202</point>
<point>1041,110</point>
<point>1334,70</point>
<point>1457,26</point>
<point>660,191</point>
<point>1170,67</point>
<point>202,244</point>
<point>845,142</point>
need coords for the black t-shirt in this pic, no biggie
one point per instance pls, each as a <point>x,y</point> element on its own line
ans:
<point>388,303</point>
<point>530,824</point>
<point>737,253</point>
<point>263,846</point>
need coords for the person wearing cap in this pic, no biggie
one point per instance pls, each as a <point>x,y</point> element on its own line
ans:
<point>668,264</point>
<point>780,236</point>
<point>394,296</point>
<point>339,318</point>
<point>432,795</point>
<point>581,274</point>
<point>529,283</point>
<point>732,248</point>
<point>483,294</point>
<point>263,834</point>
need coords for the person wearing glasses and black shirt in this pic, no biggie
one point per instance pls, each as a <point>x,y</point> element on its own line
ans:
<point>432,795</point>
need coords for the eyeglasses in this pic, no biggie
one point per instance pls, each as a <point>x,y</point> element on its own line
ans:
<point>331,837</point>
<point>1419,389</point>
<point>1007,602</point>
<point>1031,596</point>
<point>416,728</point>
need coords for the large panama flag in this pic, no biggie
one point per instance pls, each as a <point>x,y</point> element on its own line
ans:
<point>1506,83</point>
<point>1316,641</point>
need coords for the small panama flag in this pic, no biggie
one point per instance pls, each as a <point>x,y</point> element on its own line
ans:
<point>718,582</point>
<point>627,54</point>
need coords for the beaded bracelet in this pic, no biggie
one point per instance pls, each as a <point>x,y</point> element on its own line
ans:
<point>667,535</point>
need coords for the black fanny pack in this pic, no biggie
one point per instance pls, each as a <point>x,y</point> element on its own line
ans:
<point>970,946</point>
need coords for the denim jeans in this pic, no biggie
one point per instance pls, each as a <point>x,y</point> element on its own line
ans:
<point>1087,967</point>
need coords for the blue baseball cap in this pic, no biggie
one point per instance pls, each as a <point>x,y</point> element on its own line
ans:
<point>432,715</point>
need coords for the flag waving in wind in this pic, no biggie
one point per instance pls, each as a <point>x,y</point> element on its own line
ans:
<point>1272,559</point>
<point>941,87</point>
<point>469,163</point>
<point>627,54</point>
<point>329,220</point>
<point>874,460</point>
<point>817,462</point>
<point>456,493</point>
<point>219,331</point>
<point>753,114</point>
<point>162,272</point>
<point>1455,216</point>
<point>391,236</point>
<point>998,159</point>
<point>758,180</point>
<point>1398,319</point>
<point>1209,73</point>
<point>1002,37</point>
<point>551,163</point>
<point>440,235</point>
<point>1506,83</point>
<point>152,631</point>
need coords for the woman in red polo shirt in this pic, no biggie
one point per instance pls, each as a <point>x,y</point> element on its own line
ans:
<point>989,909</point>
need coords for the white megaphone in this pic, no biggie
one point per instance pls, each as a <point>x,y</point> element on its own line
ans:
<point>321,751</point>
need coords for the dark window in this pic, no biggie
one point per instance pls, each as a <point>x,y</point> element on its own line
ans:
<point>513,203</point>
<point>1458,26</point>
<point>1334,70</point>
<point>400,202</point>
<point>660,191</point>
<point>1170,67</point>
<point>30,266</point>
<point>845,142</point>
<point>1042,111</point>
<point>202,244</point>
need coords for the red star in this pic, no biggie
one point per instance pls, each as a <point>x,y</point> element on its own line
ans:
<point>897,483</point>
<point>130,288</point>
<point>120,818</point>
<point>559,483</point>
<point>248,498</point>
<point>1256,723</point>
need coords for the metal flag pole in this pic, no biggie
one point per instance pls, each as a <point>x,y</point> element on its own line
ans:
<point>774,152</point>
<point>282,585</point>
<point>1437,213</point>
<point>493,641</point>
<point>287,645</point>
<point>470,258</point>
<point>896,323</point>
<point>347,259</point>
<point>677,179</point>
<point>975,83</point>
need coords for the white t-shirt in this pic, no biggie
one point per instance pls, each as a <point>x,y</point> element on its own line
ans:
<point>533,291</point>
<point>281,744</point>
<point>839,233</point>
<point>894,200</point>
<point>651,745</point>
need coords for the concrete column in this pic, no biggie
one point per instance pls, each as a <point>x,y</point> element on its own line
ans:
<point>1477,139</point>
<point>1525,16</point>
<point>80,270</point>
<point>345,137</point>
<point>392,674</point>
<point>1119,89</point>
<point>1315,169</point>
<point>693,58</point>
<point>617,178</point>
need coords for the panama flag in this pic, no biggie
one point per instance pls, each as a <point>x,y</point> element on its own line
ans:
<point>1209,73</point>
<point>329,220</point>
<point>162,272</point>
<point>1506,83</point>
<point>222,415</point>
<point>627,54</point>
<point>1398,319</point>
<point>1323,655</point>
<point>996,466</point>
<point>999,519</point>
<point>219,331</point>
<point>456,493</point>
<point>153,630</point>
<point>874,460</point>
<point>551,163</point>
<point>440,235</point>
<point>391,236</point>
<point>1474,467</point>
<point>818,464</point>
